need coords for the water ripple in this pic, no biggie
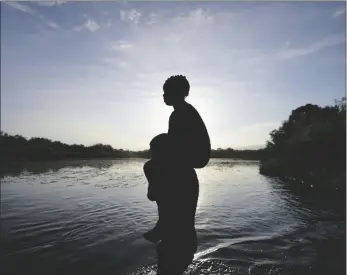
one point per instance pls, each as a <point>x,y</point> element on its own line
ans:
<point>90,215</point>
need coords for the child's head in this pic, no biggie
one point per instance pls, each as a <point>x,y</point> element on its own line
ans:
<point>159,145</point>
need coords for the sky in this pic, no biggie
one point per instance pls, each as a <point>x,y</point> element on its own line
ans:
<point>89,72</point>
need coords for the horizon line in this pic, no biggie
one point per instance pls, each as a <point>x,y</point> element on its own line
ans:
<point>249,147</point>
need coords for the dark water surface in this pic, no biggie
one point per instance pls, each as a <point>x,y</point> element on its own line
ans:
<point>88,216</point>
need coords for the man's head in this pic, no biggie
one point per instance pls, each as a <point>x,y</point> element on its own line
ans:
<point>176,89</point>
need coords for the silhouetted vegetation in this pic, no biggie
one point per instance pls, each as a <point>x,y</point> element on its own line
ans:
<point>19,148</point>
<point>310,146</point>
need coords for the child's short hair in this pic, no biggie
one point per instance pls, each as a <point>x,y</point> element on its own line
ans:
<point>159,143</point>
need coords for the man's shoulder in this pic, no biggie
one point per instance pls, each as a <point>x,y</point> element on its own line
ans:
<point>190,106</point>
<point>192,109</point>
<point>189,112</point>
<point>173,115</point>
<point>192,112</point>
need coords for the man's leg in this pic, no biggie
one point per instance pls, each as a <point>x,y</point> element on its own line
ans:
<point>153,235</point>
<point>171,260</point>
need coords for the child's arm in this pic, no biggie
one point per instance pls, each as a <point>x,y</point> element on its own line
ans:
<point>149,173</point>
<point>181,137</point>
<point>190,142</point>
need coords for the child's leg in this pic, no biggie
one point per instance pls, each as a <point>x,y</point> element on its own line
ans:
<point>154,235</point>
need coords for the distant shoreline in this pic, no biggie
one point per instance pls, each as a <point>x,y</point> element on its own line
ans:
<point>18,148</point>
<point>9,161</point>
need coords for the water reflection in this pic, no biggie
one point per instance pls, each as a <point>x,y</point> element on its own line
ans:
<point>89,216</point>
<point>15,169</point>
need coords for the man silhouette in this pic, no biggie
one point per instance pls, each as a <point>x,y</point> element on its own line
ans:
<point>189,148</point>
<point>186,128</point>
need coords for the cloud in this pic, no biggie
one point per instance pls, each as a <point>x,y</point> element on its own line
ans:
<point>20,7</point>
<point>179,42</point>
<point>175,42</point>
<point>132,16</point>
<point>339,12</point>
<point>289,51</point>
<point>123,64</point>
<point>29,10</point>
<point>196,18</point>
<point>90,25</point>
<point>50,3</point>
<point>122,45</point>
<point>53,25</point>
<point>110,60</point>
<point>200,16</point>
<point>310,49</point>
<point>175,38</point>
<point>49,23</point>
<point>152,19</point>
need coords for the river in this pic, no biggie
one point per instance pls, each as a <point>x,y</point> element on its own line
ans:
<point>88,216</point>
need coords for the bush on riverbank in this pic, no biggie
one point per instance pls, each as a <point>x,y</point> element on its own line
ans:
<point>310,146</point>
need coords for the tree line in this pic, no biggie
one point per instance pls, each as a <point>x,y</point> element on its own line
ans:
<point>19,148</point>
<point>310,146</point>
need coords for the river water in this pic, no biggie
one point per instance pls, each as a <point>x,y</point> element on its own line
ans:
<point>88,216</point>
